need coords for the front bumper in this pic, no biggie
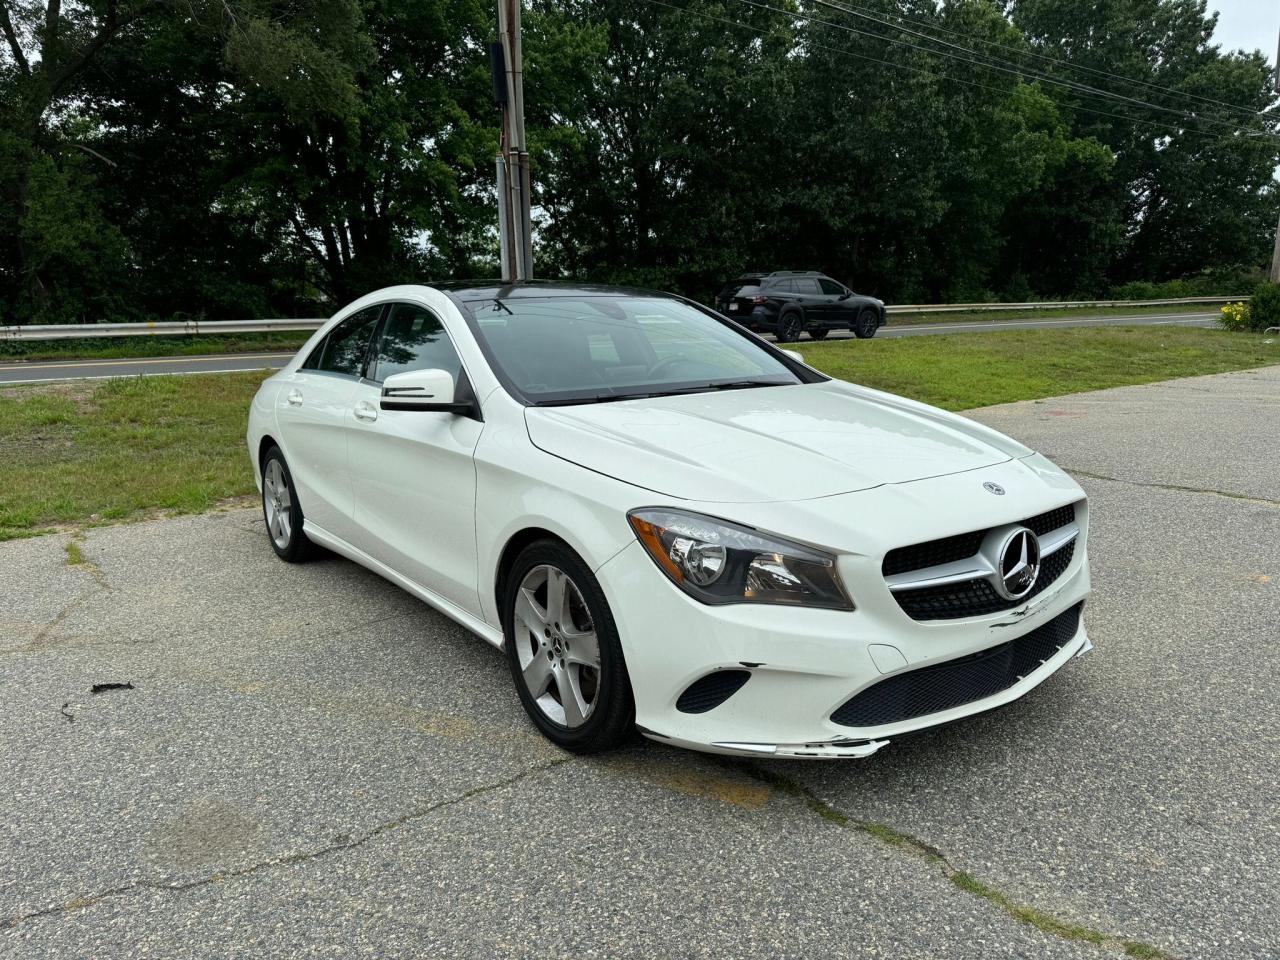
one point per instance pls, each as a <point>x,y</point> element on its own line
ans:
<point>804,663</point>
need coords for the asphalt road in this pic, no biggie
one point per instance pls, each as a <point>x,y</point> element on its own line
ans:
<point>310,762</point>
<point>48,370</point>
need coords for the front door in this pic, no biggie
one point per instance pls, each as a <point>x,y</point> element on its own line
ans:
<point>413,473</point>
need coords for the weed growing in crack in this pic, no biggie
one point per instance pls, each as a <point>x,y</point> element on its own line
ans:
<point>961,880</point>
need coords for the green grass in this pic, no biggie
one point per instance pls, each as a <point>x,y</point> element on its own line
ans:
<point>101,451</point>
<point>989,316</point>
<point>117,348</point>
<point>966,370</point>
<point>89,452</point>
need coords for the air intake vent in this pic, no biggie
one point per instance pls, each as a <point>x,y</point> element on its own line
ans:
<point>953,683</point>
<point>707,693</point>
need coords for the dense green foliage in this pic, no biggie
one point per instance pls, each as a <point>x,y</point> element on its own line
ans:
<point>1264,308</point>
<point>257,157</point>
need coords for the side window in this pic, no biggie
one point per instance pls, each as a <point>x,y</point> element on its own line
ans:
<point>345,348</point>
<point>785,286</point>
<point>414,339</point>
<point>806,285</point>
<point>830,288</point>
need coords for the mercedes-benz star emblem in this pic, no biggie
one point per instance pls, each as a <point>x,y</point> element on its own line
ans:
<point>1019,564</point>
<point>993,488</point>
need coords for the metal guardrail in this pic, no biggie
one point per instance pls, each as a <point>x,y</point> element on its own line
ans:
<point>61,331</point>
<point>166,328</point>
<point>1066,304</point>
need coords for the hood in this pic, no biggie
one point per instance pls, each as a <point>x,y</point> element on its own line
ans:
<point>768,443</point>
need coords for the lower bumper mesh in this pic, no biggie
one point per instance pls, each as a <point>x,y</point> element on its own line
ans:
<point>953,683</point>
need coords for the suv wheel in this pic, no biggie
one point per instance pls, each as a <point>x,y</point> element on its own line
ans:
<point>864,328</point>
<point>789,327</point>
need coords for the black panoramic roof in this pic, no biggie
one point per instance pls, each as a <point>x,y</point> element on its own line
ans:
<point>468,291</point>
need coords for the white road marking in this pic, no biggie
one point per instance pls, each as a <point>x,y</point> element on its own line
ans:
<point>122,376</point>
<point>987,324</point>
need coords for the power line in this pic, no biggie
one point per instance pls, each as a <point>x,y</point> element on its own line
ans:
<point>1084,89</point>
<point>1003,91</point>
<point>870,15</point>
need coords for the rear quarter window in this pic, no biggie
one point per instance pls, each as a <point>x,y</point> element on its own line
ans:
<point>741,288</point>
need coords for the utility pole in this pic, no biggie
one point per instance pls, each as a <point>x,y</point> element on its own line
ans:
<point>513,155</point>
<point>1275,254</point>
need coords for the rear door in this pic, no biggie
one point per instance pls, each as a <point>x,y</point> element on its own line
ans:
<point>312,407</point>
<point>412,472</point>
<point>816,306</point>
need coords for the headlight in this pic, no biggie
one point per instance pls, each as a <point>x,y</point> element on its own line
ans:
<point>720,562</point>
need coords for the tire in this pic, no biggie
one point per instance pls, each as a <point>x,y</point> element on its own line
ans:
<point>580,697</point>
<point>282,512</point>
<point>865,327</point>
<point>789,326</point>
<point>819,333</point>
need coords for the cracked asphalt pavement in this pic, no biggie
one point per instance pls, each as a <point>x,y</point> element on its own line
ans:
<point>312,763</point>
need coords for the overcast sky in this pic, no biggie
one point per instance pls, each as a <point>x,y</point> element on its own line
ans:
<point>1248,25</point>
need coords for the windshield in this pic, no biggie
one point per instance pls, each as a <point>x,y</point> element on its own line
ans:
<point>557,350</point>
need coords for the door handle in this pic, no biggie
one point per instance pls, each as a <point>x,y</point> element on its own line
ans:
<point>366,411</point>
<point>295,398</point>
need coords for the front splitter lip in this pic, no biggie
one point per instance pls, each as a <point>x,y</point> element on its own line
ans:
<point>849,748</point>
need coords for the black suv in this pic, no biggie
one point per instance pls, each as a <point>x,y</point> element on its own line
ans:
<point>787,302</point>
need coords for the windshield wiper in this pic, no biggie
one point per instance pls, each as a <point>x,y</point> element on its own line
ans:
<point>744,384</point>
<point>701,388</point>
<point>602,398</point>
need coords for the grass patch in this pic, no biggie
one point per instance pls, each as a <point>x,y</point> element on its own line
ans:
<point>75,556</point>
<point>77,454</point>
<point>1045,313</point>
<point>118,348</point>
<point>92,452</point>
<point>966,370</point>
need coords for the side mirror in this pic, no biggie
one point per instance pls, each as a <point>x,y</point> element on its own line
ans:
<point>795,355</point>
<point>846,295</point>
<point>423,390</point>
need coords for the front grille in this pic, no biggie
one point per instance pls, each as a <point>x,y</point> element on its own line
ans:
<point>977,598</point>
<point>942,686</point>
<point>707,693</point>
<point>1051,520</point>
<point>934,553</point>
<point>972,598</point>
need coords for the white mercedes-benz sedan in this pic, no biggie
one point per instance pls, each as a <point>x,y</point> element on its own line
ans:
<point>670,524</point>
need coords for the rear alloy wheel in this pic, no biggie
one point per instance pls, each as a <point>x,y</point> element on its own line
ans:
<point>281,510</point>
<point>564,653</point>
<point>789,327</point>
<point>864,328</point>
<point>818,333</point>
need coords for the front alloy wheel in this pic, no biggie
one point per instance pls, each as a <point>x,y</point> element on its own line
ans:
<point>864,328</point>
<point>564,652</point>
